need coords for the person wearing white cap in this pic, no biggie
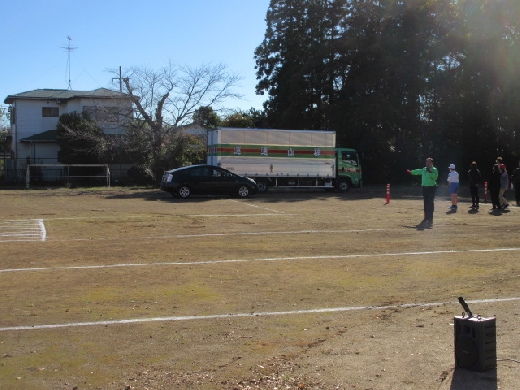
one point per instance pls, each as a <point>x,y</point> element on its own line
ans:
<point>453,183</point>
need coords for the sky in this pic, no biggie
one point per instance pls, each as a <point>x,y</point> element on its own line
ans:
<point>110,34</point>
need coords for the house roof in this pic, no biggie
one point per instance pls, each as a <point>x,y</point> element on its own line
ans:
<point>65,94</point>
<point>45,137</point>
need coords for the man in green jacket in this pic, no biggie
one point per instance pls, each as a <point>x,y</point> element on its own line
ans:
<point>429,185</point>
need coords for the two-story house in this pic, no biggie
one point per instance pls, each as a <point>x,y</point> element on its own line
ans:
<point>35,114</point>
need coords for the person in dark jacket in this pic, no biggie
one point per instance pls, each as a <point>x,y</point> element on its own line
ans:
<point>494,186</point>
<point>515,179</point>
<point>474,179</point>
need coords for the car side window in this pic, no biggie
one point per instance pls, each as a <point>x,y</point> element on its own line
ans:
<point>219,173</point>
<point>200,172</point>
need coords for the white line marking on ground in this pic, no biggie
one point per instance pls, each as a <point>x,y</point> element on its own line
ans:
<point>181,236</point>
<point>26,230</point>
<point>204,262</point>
<point>253,314</point>
<point>259,207</point>
<point>43,231</point>
<point>243,215</point>
<point>270,233</point>
<point>274,213</point>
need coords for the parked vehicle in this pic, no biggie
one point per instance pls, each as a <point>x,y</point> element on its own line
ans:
<point>285,158</point>
<point>206,179</point>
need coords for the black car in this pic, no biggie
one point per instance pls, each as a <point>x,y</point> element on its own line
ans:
<point>206,179</point>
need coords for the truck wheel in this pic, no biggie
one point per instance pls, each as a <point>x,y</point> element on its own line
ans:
<point>343,186</point>
<point>262,186</point>
<point>184,192</point>
<point>243,191</point>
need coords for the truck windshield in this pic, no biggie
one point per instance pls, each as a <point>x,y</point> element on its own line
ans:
<point>349,157</point>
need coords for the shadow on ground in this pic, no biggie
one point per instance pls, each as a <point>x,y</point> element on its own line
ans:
<point>469,380</point>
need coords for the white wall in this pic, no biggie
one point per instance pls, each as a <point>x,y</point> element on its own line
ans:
<point>29,121</point>
<point>43,153</point>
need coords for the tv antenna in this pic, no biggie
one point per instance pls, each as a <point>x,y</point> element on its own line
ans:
<point>69,48</point>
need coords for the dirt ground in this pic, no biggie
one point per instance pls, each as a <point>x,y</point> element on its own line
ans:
<point>133,289</point>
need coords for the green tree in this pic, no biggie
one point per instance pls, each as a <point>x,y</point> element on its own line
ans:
<point>253,119</point>
<point>3,138</point>
<point>296,64</point>
<point>4,127</point>
<point>397,80</point>
<point>238,119</point>
<point>186,149</point>
<point>487,85</point>
<point>206,117</point>
<point>81,140</point>
<point>388,55</point>
<point>259,118</point>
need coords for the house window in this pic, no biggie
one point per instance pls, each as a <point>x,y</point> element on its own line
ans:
<point>89,112</point>
<point>50,112</point>
<point>111,114</point>
<point>102,114</point>
<point>12,114</point>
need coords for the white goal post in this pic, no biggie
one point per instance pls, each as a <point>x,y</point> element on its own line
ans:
<point>66,168</point>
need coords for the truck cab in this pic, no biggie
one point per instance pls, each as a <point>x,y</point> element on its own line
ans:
<point>349,172</point>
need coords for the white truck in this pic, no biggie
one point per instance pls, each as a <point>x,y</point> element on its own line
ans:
<point>285,158</point>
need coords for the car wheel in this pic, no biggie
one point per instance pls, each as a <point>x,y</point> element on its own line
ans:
<point>184,192</point>
<point>243,191</point>
<point>262,186</point>
<point>343,186</point>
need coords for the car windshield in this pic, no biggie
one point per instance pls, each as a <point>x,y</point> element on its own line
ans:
<point>350,157</point>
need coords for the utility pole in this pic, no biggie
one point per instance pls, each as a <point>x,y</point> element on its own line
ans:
<point>121,79</point>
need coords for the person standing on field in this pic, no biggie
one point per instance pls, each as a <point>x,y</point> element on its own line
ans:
<point>429,186</point>
<point>515,179</point>
<point>474,179</point>
<point>504,185</point>
<point>494,186</point>
<point>453,184</point>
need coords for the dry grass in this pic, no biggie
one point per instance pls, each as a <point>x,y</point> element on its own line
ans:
<point>121,254</point>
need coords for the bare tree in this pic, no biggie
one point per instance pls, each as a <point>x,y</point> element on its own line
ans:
<point>167,98</point>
